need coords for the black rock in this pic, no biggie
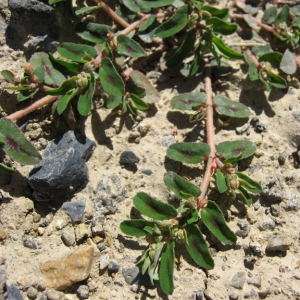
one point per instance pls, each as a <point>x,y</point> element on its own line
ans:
<point>129,157</point>
<point>29,243</point>
<point>147,172</point>
<point>75,209</point>
<point>63,171</point>
<point>13,293</point>
<point>134,276</point>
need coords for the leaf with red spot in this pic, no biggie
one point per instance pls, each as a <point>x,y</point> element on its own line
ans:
<point>197,247</point>
<point>231,108</point>
<point>16,145</point>
<point>112,82</point>
<point>191,153</point>
<point>129,47</point>
<point>86,98</point>
<point>77,52</point>
<point>188,101</point>
<point>52,76</point>
<point>236,148</point>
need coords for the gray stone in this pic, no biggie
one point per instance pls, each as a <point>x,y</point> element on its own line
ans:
<point>254,280</point>
<point>244,228</point>
<point>251,295</point>
<point>258,125</point>
<point>282,158</point>
<point>54,295</point>
<point>75,209</point>
<point>29,243</point>
<point>268,224</point>
<point>83,292</point>
<point>168,140</point>
<point>134,276</point>
<point>234,295</point>
<point>113,267</point>
<point>147,172</point>
<point>103,262</point>
<point>13,293</point>
<point>293,203</point>
<point>275,210</point>
<point>238,280</point>
<point>129,157</point>
<point>296,115</point>
<point>43,297</point>
<point>62,171</point>
<point>68,236</point>
<point>32,293</point>
<point>278,243</point>
<point>257,205</point>
<point>101,246</point>
<point>272,189</point>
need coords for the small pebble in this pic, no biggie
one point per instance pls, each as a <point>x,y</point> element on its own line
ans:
<point>103,261</point>
<point>29,243</point>
<point>234,296</point>
<point>54,295</point>
<point>238,280</point>
<point>113,267</point>
<point>147,172</point>
<point>129,157</point>
<point>68,236</point>
<point>278,243</point>
<point>32,292</point>
<point>282,158</point>
<point>101,246</point>
<point>83,292</point>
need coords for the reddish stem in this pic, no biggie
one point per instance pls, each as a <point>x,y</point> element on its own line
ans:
<point>260,24</point>
<point>253,58</point>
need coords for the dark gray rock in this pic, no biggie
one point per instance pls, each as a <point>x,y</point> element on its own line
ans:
<point>13,293</point>
<point>75,209</point>
<point>275,210</point>
<point>113,267</point>
<point>29,243</point>
<point>272,189</point>
<point>282,158</point>
<point>147,172</point>
<point>238,280</point>
<point>244,228</point>
<point>278,243</point>
<point>134,276</point>
<point>63,171</point>
<point>129,157</point>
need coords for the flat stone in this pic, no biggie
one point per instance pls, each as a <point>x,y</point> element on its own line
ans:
<point>13,293</point>
<point>134,276</point>
<point>103,262</point>
<point>75,209</point>
<point>63,171</point>
<point>54,295</point>
<point>129,157</point>
<point>267,224</point>
<point>29,243</point>
<point>62,273</point>
<point>278,243</point>
<point>238,280</point>
<point>68,236</point>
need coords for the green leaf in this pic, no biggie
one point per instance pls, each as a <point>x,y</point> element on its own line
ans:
<point>234,148</point>
<point>26,94</point>
<point>52,76</point>
<point>198,63</point>
<point>153,208</point>
<point>274,58</point>
<point>111,81</point>
<point>283,15</point>
<point>39,72</point>
<point>224,51</point>
<point>270,14</point>
<point>166,268</point>
<point>214,220</point>
<point>253,73</point>
<point>136,5</point>
<point>245,195</point>
<point>183,51</point>
<point>6,169</point>
<point>260,50</point>
<point>188,101</point>
<point>113,101</point>
<point>276,80</point>
<point>147,29</point>
<point>221,181</point>
<point>136,227</point>
<point>295,10</point>
<point>86,10</point>
<point>288,64</point>
<point>140,80</point>
<point>68,67</point>
<point>221,27</point>
<point>194,217</point>
<point>262,79</point>
<point>65,100</point>
<point>86,98</point>
<point>197,247</point>
<point>16,146</point>
<point>138,102</point>
<point>180,186</point>
<point>249,184</point>
<point>8,76</point>
<point>64,88</point>
<point>175,24</point>
<point>131,108</point>
<point>129,47</point>
<point>76,52</point>
<point>231,108</point>
<point>191,153</point>
<point>217,12</point>
<point>157,3</point>
<point>93,32</point>
<point>151,270</point>
<point>233,159</point>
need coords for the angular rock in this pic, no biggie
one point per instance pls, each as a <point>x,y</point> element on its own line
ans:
<point>278,243</point>
<point>134,276</point>
<point>129,157</point>
<point>62,171</point>
<point>62,273</point>
<point>267,224</point>
<point>13,293</point>
<point>75,209</point>
<point>103,262</point>
<point>238,280</point>
<point>244,228</point>
<point>272,189</point>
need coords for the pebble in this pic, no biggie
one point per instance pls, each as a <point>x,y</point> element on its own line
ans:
<point>134,276</point>
<point>272,189</point>
<point>101,246</point>
<point>13,293</point>
<point>68,236</point>
<point>83,292</point>
<point>267,224</point>
<point>168,140</point>
<point>293,203</point>
<point>113,267</point>
<point>257,205</point>
<point>242,129</point>
<point>103,261</point>
<point>234,296</point>
<point>52,294</point>
<point>147,172</point>
<point>255,280</point>
<point>275,210</point>
<point>251,295</point>
<point>278,243</point>
<point>32,292</point>
<point>258,125</point>
<point>75,209</point>
<point>29,243</point>
<point>282,158</point>
<point>238,280</point>
<point>83,231</point>
<point>3,235</point>
<point>244,228</point>
<point>129,157</point>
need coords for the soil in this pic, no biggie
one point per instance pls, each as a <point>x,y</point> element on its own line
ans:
<point>274,126</point>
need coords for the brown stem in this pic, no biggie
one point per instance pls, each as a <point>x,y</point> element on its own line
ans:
<point>134,25</point>
<point>32,107</point>
<point>260,24</point>
<point>211,164</point>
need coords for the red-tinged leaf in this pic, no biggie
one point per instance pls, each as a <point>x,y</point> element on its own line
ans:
<point>77,52</point>
<point>234,148</point>
<point>231,108</point>
<point>129,47</point>
<point>188,101</point>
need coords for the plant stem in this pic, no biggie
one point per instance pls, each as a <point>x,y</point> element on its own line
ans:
<point>211,164</point>
<point>34,106</point>
<point>253,58</point>
<point>134,25</point>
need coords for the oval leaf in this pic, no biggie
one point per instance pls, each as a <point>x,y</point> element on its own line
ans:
<point>85,99</point>
<point>234,148</point>
<point>16,145</point>
<point>274,58</point>
<point>153,208</point>
<point>214,220</point>
<point>129,47</point>
<point>224,50</point>
<point>221,181</point>
<point>221,27</point>
<point>247,198</point>
<point>65,67</point>
<point>8,76</point>
<point>221,13</point>
<point>276,80</point>
<point>76,52</point>
<point>138,102</point>
<point>231,108</point>
<point>270,15</point>
<point>113,101</point>
<point>6,169</point>
<point>175,24</point>
<point>288,64</point>
<point>64,88</point>
<point>283,15</point>
<point>24,95</point>
<point>191,153</point>
<point>180,186</point>
<point>188,101</point>
<point>111,81</point>
<point>249,184</point>
<point>65,100</point>
<point>157,3</point>
<point>197,247</point>
<point>166,268</point>
<point>86,10</point>
<point>136,227</point>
